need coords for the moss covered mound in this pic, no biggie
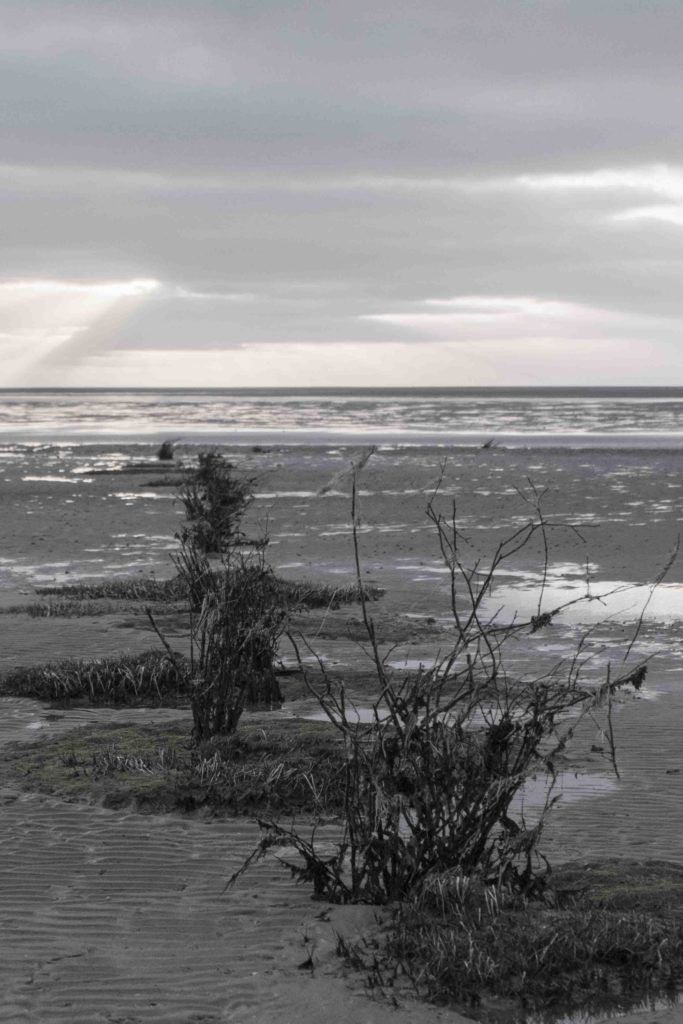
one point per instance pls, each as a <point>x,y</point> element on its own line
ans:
<point>291,767</point>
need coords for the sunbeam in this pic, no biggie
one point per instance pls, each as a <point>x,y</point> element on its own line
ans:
<point>45,323</point>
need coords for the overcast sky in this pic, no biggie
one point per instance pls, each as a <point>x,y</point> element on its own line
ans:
<point>358,192</point>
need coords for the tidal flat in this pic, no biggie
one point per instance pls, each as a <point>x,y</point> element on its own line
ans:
<point>109,908</point>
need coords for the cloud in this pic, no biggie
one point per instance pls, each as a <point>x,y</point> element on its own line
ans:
<point>63,289</point>
<point>517,320</point>
<point>659,179</point>
<point>614,185</point>
<point>313,175</point>
<point>666,214</point>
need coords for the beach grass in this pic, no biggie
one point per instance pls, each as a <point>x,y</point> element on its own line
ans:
<point>151,678</point>
<point>129,588</point>
<point>80,599</point>
<point>491,953</point>
<point>281,768</point>
<point>80,609</point>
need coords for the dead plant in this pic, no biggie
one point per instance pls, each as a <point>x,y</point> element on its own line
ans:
<point>236,620</point>
<point>431,779</point>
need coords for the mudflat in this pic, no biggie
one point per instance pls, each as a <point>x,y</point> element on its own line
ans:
<point>111,916</point>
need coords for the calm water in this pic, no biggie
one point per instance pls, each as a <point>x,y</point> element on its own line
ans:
<point>538,417</point>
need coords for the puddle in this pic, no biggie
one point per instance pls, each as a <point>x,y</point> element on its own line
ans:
<point>412,664</point>
<point>134,495</point>
<point>22,714</point>
<point>57,479</point>
<point>569,786</point>
<point>357,714</point>
<point>616,600</point>
<point>272,495</point>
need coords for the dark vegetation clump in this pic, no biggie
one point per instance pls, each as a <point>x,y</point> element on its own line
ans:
<point>166,451</point>
<point>60,609</point>
<point>309,594</point>
<point>238,619</point>
<point>151,678</point>
<point>284,768</point>
<point>215,499</point>
<point>144,588</point>
<point>461,942</point>
<point>287,769</point>
<point>78,598</point>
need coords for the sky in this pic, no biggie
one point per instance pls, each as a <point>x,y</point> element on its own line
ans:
<point>358,193</point>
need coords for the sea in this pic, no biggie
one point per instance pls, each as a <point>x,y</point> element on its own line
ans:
<point>512,417</point>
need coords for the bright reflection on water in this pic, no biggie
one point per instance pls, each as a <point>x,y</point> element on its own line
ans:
<point>617,600</point>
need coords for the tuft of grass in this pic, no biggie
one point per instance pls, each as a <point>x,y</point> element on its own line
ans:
<point>294,593</point>
<point>292,766</point>
<point>145,588</point>
<point>478,947</point>
<point>288,768</point>
<point>622,885</point>
<point>86,609</point>
<point>79,764</point>
<point>309,594</point>
<point>149,678</point>
<point>112,759</point>
<point>60,609</point>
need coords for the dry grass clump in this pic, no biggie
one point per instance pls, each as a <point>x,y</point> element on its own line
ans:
<point>150,678</point>
<point>77,599</point>
<point>462,942</point>
<point>287,768</point>
<point>111,759</point>
<point>60,609</point>
<point>145,588</point>
<point>309,594</point>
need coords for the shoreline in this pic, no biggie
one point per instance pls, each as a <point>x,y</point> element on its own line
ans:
<point>608,441</point>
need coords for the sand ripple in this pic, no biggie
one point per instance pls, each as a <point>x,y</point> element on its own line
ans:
<point>112,916</point>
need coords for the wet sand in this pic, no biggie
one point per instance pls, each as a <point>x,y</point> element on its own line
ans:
<point>113,917</point>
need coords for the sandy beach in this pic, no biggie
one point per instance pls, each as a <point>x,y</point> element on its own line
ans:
<point>111,916</point>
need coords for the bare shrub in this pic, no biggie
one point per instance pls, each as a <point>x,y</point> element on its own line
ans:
<point>431,779</point>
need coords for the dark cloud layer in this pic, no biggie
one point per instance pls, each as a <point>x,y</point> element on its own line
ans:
<point>311,175</point>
